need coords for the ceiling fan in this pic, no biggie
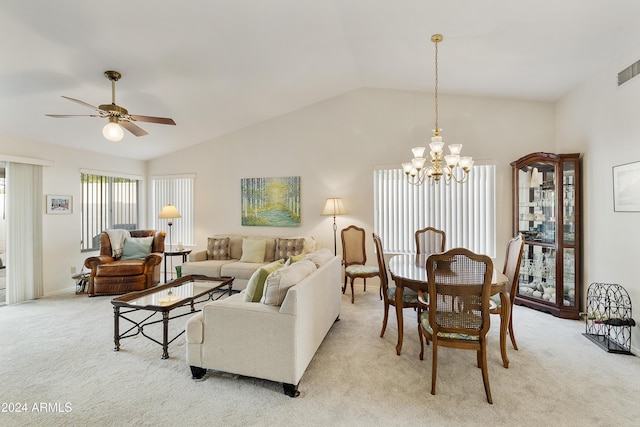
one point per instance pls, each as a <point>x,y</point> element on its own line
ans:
<point>118,116</point>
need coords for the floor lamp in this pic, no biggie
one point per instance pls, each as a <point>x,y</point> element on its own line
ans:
<point>334,207</point>
<point>169,212</point>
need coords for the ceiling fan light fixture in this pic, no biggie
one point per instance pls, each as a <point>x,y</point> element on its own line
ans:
<point>112,131</point>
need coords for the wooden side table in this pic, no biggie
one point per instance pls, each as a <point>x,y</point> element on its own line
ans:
<point>168,254</point>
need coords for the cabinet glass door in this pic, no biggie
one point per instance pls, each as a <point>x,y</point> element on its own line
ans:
<point>569,202</point>
<point>537,202</point>
<point>538,273</point>
<point>569,283</point>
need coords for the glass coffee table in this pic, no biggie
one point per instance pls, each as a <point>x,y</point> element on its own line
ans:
<point>186,291</point>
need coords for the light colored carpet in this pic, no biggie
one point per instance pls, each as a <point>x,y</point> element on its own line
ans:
<point>59,352</point>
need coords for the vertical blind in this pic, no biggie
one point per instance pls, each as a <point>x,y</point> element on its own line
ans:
<point>107,202</point>
<point>466,212</point>
<point>177,191</point>
<point>25,276</point>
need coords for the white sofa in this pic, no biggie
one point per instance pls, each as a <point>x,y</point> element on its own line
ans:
<point>230,263</point>
<point>272,342</point>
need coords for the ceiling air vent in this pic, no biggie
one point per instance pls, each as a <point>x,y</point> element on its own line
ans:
<point>628,73</point>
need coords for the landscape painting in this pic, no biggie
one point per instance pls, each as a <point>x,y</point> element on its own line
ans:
<point>271,202</point>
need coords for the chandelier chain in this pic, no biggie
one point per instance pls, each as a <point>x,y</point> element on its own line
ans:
<point>437,129</point>
<point>446,167</point>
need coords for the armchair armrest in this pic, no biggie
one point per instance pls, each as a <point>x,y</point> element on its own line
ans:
<point>93,262</point>
<point>198,256</point>
<point>422,300</point>
<point>152,260</point>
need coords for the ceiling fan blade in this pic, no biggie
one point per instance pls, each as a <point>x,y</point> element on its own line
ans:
<point>150,119</point>
<point>134,129</point>
<point>61,116</point>
<point>81,102</point>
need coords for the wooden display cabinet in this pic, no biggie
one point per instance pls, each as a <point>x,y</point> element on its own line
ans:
<point>546,211</point>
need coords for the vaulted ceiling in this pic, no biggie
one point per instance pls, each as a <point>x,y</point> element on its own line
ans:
<point>216,66</point>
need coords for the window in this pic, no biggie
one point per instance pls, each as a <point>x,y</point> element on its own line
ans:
<point>107,202</point>
<point>465,212</point>
<point>177,191</point>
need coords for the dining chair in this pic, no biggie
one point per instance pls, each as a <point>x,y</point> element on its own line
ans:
<point>430,240</point>
<point>457,314</point>
<point>354,258</point>
<point>512,262</point>
<point>409,296</point>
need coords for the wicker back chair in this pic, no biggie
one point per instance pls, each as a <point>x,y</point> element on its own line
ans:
<point>430,241</point>
<point>459,283</point>
<point>409,297</point>
<point>512,262</point>
<point>354,257</point>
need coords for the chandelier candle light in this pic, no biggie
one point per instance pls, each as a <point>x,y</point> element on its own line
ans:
<point>451,167</point>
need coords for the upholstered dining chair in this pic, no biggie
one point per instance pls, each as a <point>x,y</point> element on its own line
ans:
<point>354,258</point>
<point>409,296</point>
<point>430,240</point>
<point>457,314</point>
<point>512,262</point>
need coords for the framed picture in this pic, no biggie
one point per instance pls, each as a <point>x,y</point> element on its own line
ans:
<point>626,187</point>
<point>59,204</point>
<point>271,202</point>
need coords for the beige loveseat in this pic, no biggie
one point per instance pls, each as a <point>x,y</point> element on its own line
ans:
<point>276,338</point>
<point>225,256</point>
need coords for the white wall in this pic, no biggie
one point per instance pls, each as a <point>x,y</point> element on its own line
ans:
<point>601,120</point>
<point>334,146</point>
<point>62,233</point>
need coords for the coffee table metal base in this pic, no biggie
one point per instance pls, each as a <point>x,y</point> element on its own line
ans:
<point>138,326</point>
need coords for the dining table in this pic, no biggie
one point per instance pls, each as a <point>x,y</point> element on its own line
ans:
<point>409,271</point>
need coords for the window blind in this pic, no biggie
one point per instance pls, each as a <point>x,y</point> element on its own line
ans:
<point>466,212</point>
<point>177,191</point>
<point>107,202</point>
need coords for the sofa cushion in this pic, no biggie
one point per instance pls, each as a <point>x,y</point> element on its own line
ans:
<point>218,248</point>
<point>320,257</point>
<point>255,286</point>
<point>210,267</point>
<point>279,282</point>
<point>286,247</point>
<point>136,247</point>
<point>240,270</point>
<point>121,268</point>
<point>295,258</point>
<point>253,250</point>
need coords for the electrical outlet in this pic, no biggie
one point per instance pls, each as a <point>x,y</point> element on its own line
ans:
<point>73,270</point>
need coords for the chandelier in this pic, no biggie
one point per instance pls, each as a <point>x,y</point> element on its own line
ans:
<point>450,167</point>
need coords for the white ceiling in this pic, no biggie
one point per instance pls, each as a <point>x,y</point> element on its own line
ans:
<point>216,66</point>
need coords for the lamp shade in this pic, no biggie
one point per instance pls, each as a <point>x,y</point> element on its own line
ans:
<point>334,206</point>
<point>169,212</point>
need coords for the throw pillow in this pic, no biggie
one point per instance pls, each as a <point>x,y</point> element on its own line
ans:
<point>279,282</point>
<point>253,250</point>
<point>218,248</point>
<point>320,257</point>
<point>136,247</point>
<point>295,258</point>
<point>286,247</point>
<point>255,286</point>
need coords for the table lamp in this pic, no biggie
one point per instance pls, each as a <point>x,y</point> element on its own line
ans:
<point>334,207</point>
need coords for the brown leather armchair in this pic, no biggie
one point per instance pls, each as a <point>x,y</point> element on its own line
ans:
<point>110,276</point>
